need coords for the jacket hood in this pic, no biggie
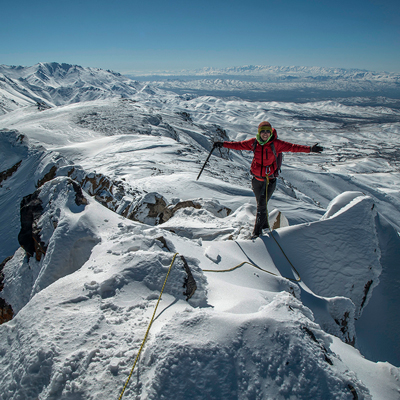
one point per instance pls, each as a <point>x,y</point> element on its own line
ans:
<point>273,136</point>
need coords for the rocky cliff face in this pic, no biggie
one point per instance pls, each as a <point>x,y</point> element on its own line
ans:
<point>29,166</point>
<point>39,214</point>
<point>6,311</point>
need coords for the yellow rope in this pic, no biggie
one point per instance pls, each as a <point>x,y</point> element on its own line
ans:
<point>148,328</point>
<point>287,258</point>
<point>261,269</point>
<point>266,198</point>
<point>204,270</point>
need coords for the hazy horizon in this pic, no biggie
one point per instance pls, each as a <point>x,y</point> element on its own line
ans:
<point>158,36</point>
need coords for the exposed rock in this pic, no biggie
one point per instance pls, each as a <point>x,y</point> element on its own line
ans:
<point>8,172</point>
<point>185,116</point>
<point>353,391</point>
<point>311,334</point>
<point>30,211</point>
<point>107,192</point>
<point>151,209</point>
<point>51,212</point>
<point>344,324</point>
<point>48,177</point>
<point>190,284</point>
<point>6,312</point>
<point>212,206</point>
<point>366,290</point>
<point>41,106</point>
<point>163,242</point>
<point>277,220</point>
<point>184,204</point>
<point>3,263</point>
<point>29,235</point>
<point>79,197</point>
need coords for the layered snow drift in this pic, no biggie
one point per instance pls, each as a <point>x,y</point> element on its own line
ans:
<point>348,262</point>
<point>102,195</point>
<point>89,299</point>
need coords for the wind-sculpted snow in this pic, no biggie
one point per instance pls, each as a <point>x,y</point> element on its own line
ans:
<point>83,300</point>
<point>353,273</point>
<point>276,352</point>
<point>127,154</point>
<point>90,321</point>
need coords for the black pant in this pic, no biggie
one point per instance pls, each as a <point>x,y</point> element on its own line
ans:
<point>263,194</point>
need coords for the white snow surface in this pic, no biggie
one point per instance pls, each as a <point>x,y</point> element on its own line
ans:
<point>313,311</point>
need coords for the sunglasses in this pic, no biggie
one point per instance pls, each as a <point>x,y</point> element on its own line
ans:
<point>265,131</point>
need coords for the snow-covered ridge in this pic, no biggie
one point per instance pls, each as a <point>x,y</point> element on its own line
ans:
<point>104,272</point>
<point>83,300</point>
<point>58,84</point>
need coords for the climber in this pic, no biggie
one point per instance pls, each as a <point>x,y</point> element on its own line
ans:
<point>265,166</point>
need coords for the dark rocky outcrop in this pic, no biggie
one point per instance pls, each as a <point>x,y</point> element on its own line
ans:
<point>366,291</point>
<point>311,334</point>
<point>29,235</point>
<point>184,204</point>
<point>344,325</point>
<point>153,209</point>
<point>6,311</point>
<point>48,177</point>
<point>31,210</point>
<point>147,208</point>
<point>2,264</point>
<point>8,172</point>
<point>80,199</point>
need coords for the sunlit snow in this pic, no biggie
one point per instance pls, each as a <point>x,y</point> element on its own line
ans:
<point>314,318</point>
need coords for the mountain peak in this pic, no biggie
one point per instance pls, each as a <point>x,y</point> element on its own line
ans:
<point>58,84</point>
<point>57,68</point>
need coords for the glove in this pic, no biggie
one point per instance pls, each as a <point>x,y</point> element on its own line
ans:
<point>218,145</point>
<point>316,149</point>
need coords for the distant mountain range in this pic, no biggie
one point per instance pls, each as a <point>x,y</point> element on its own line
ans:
<point>275,73</point>
<point>54,84</point>
<point>279,83</point>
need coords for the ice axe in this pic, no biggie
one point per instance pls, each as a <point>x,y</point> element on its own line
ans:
<point>198,176</point>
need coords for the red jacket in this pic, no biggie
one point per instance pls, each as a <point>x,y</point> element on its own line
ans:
<point>264,158</point>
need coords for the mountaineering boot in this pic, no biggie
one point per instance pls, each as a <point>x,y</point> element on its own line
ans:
<point>261,220</point>
<point>254,236</point>
<point>266,228</point>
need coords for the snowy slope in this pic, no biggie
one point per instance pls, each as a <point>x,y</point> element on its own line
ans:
<point>12,95</point>
<point>89,300</point>
<point>81,312</point>
<point>58,84</point>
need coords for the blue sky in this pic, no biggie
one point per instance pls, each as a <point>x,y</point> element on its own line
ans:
<point>127,36</point>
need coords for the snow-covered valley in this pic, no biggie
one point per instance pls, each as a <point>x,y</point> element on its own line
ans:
<point>107,169</point>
